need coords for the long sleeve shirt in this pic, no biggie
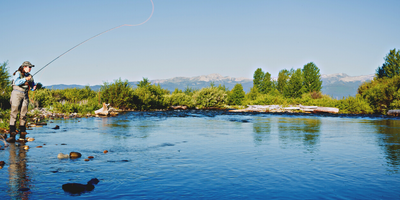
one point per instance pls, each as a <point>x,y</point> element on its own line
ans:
<point>21,81</point>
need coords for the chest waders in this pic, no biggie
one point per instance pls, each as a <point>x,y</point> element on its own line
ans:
<point>19,99</point>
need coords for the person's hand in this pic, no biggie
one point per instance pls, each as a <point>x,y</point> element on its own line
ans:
<point>34,88</point>
<point>28,78</point>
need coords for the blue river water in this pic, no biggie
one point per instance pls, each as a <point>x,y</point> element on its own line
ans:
<point>209,155</point>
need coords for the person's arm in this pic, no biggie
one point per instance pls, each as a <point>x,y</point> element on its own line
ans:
<point>17,80</point>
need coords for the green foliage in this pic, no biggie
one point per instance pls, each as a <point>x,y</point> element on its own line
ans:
<point>236,96</point>
<point>74,95</point>
<point>87,107</point>
<point>382,94</point>
<point>283,78</point>
<point>210,97</point>
<point>262,81</point>
<point>118,94</point>
<point>311,78</point>
<point>190,91</point>
<point>391,66</point>
<point>179,99</point>
<point>143,83</point>
<point>5,86</point>
<point>68,100</point>
<point>253,94</point>
<point>294,88</point>
<point>354,105</point>
<point>149,97</point>
<point>5,118</point>
<point>176,91</point>
<point>43,97</point>
<point>258,77</point>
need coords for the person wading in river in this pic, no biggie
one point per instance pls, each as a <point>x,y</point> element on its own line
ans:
<point>22,82</point>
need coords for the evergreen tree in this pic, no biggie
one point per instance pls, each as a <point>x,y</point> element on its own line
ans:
<point>5,86</point>
<point>283,78</point>
<point>295,87</point>
<point>262,81</point>
<point>143,83</point>
<point>267,84</point>
<point>258,78</point>
<point>237,94</point>
<point>391,67</point>
<point>253,94</point>
<point>312,78</point>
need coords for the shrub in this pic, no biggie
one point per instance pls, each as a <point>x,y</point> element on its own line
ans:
<point>149,97</point>
<point>236,95</point>
<point>179,99</point>
<point>118,94</point>
<point>209,97</point>
<point>382,94</point>
<point>354,105</point>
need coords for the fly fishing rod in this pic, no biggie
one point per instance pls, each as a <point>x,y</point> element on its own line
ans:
<point>152,11</point>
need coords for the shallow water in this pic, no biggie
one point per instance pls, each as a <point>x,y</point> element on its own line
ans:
<point>209,155</point>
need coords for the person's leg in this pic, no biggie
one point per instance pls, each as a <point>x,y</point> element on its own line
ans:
<point>15,101</point>
<point>22,118</point>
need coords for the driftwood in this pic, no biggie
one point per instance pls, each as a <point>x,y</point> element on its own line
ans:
<point>105,111</point>
<point>395,113</point>
<point>326,110</point>
<point>178,107</point>
<point>278,108</point>
<point>102,111</point>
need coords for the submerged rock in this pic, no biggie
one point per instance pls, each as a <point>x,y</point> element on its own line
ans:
<point>23,189</point>
<point>75,155</point>
<point>76,188</point>
<point>62,156</point>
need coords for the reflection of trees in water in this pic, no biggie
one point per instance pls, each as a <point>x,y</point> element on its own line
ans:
<point>389,140</point>
<point>18,177</point>
<point>292,130</point>
<point>261,130</point>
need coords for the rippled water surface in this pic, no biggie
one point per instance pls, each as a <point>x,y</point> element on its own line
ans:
<point>209,155</point>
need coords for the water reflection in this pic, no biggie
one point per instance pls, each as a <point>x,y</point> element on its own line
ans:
<point>294,130</point>
<point>261,130</point>
<point>389,140</point>
<point>18,178</point>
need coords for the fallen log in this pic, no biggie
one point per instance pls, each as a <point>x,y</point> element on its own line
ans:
<point>395,113</point>
<point>178,107</point>
<point>326,110</point>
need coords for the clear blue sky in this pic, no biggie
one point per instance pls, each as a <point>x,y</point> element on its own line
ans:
<point>191,38</point>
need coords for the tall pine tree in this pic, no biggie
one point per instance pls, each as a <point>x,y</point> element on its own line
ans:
<point>262,81</point>
<point>391,67</point>
<point>236,95</point>
<point>312,78</point>
<point>295,87</point>
<point>283,78</point>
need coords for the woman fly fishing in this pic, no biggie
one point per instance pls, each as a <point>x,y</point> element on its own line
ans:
<point>22,83</point>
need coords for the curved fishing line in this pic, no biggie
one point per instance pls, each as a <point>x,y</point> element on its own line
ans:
<point>152,11</point>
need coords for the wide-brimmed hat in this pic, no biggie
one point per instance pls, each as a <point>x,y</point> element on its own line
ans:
<point>28,64</point>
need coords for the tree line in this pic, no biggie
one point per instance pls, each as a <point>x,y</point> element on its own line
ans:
<point>294,86</point>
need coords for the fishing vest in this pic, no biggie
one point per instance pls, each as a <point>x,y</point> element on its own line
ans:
<point>24,87</point>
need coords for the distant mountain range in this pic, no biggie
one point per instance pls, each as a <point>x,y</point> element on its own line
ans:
<point>336,85</point>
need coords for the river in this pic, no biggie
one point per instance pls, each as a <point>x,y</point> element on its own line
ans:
<point>209,155</point>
